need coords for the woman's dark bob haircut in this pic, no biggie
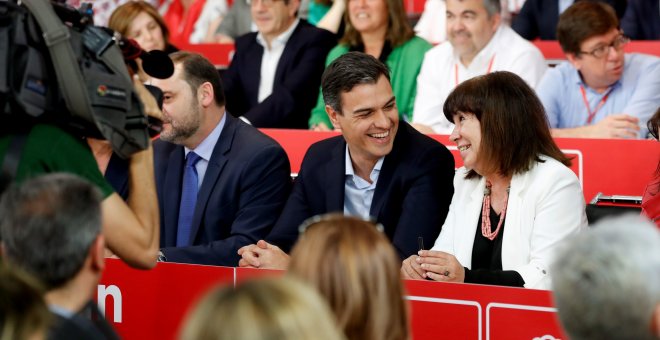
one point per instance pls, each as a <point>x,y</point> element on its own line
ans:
<point>514,128</point>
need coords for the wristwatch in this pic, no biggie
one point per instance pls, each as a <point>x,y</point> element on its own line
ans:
<point>161,257</point>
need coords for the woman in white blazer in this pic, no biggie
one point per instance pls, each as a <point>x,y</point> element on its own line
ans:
<point>515,175</point>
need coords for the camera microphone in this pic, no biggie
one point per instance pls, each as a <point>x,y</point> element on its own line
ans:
<point>156,63</point>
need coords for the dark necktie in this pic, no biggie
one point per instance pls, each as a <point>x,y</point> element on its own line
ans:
<point>188,200</point>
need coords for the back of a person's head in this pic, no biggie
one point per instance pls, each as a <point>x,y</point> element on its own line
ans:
<point>264,309</point>
<point>606,281</point>
<point>356,269</point>
<point>48,225</point>
<point>23,312</point>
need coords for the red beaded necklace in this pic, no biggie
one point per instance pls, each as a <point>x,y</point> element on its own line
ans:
<point>486,229</point>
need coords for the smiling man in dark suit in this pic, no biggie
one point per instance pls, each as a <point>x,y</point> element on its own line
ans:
<point>221,183</point>
<point>275,73</point>
<point>379,168</point>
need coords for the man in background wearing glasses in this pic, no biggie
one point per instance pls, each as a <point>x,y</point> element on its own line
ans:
<point>601,92</point>
<point>274,77</point>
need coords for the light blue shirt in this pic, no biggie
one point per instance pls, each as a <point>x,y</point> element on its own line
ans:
<point>637,94</point>
<point>359,193</point>
<point>205,150</point>
<point>564,4</point>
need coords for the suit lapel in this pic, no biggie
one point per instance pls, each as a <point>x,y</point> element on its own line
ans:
<point>251,73</point>
<point>335,173</point>
<point>465,242</point>
<point>216,164</point>
<point>386,177</point>
<point>290,49</point>
<point>171,195</point>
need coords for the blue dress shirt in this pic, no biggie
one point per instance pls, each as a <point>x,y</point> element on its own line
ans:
<point>359,193</point>
<point>637,94</point>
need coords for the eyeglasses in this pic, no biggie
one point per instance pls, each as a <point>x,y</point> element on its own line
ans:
<point>600,52</point>
<point>332,217</point>
<point>265,3</point>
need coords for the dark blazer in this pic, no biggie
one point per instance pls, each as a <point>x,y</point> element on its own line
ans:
<point>297,78</point>
<point>243,192</point>
<point>413,192</point>
<point>538,18</point>
<point>642,20</point>
<point>89,324</point>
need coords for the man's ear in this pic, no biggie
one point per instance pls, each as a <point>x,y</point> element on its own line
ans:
<point>206,94</point>
<point>97,253</point>
<point>332,114</point>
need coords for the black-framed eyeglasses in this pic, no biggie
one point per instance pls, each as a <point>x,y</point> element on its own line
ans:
<point>306,224</point>
<point>602,51</point>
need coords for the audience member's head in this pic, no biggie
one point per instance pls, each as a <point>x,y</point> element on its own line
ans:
<point>139,20</point>
<point>193,97</point>
<point>471,24</point>
<point>509,113</point>
<point>23,312</point>
<point>51,228</point>
<point>364,18</point>
<point>589,34</point>
<point>606,281</point>
<point>265,309</point>
<point>356,269</point>
<point>273,17</point>
<point>359,100</point>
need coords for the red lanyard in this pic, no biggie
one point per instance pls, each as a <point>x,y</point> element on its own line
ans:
<point>592,114</point>
<point>490,66</point>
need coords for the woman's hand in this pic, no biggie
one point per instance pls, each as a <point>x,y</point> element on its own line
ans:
<point>411,269</point>
<point>440,266</point>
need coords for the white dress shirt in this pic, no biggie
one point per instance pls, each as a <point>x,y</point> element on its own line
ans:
<point>442,71</point>
<point>270,59</point>
<point>358,192</point>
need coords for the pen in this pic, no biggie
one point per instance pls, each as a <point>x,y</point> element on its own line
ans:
<point>420,242</point>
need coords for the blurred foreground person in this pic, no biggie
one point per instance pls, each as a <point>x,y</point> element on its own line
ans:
<point>51,228</point>
<point>23,312</point>
<point>353,265</point>
<point>264,309</point>
<point>606,282</point>
<point>516,199</point>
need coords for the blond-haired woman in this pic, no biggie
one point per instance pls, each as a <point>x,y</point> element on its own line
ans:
<point>265,309</point>
<point>356,269</point>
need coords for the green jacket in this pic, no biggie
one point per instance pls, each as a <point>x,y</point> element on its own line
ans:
<point>404,63</point>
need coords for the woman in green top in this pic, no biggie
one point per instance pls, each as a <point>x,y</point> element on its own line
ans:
<point>380,28</point>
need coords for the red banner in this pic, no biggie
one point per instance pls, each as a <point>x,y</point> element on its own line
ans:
<point>153,304</point>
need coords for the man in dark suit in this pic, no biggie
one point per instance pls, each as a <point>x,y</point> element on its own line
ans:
<point>51,228</point>
<point>379,168</point>
<point>221,183</point>
<point>274,76</point>
<point>642,20</point>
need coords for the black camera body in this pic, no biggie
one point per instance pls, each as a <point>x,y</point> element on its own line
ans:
<point>34,88</point>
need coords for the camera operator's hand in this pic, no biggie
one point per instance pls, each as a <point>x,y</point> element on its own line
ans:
<point>148,100</point>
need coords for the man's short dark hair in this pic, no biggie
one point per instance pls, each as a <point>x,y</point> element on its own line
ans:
<point>198,70</point>
<point>48,225</point>
<point>347,71</point>
<point>583,20</point>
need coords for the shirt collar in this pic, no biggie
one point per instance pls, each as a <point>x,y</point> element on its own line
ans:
<point>281,39</point>
<point>349,164</point>
<point>205,148</point>
<point>577,79</point>
<point>61,311</point>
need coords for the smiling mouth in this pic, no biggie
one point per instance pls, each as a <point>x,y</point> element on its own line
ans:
<point>464,147</point>
<point>380,135</point>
